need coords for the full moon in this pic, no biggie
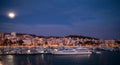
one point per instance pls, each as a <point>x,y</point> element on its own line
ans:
<point>11,15</point>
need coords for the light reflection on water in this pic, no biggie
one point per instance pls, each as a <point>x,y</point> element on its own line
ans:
<point>48,59</point>
<point>1,63</point>
<point>8,60</point>
<point>38,59</point>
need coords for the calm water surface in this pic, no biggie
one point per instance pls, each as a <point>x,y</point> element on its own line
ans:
<point>105,58</point>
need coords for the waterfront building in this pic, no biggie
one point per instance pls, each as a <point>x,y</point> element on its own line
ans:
<point>27,41</point>
<point>7,36</point>
<point>13,34</point>
<point>109,41</point>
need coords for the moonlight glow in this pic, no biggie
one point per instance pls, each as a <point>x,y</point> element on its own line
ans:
<point>11,15</point>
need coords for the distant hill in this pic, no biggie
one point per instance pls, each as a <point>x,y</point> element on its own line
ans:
<point>80,36</point>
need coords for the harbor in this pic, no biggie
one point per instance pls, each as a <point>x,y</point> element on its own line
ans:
<point>7,50</point>
<point>16,43</point>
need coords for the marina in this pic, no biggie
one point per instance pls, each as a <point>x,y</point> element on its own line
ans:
<point>41,50</point>
<point>14,43</point>
<point>50,50</point>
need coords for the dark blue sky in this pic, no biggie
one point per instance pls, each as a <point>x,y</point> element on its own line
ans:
<point>95,18</point>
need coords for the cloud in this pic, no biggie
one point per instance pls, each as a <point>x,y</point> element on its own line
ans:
<point>39,29</point>
<point>98,30</point>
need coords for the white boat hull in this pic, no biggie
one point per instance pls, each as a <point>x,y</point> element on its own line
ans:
<point>60,52</point>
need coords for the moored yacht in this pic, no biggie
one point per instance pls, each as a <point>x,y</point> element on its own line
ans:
<point>77,50</point>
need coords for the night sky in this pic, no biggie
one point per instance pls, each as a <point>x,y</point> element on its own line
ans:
<point>94,18</point>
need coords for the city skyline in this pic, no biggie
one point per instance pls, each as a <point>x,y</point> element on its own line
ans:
<point>95,18</point>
